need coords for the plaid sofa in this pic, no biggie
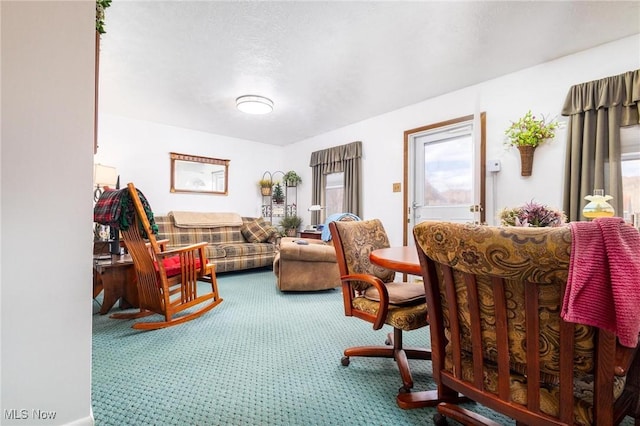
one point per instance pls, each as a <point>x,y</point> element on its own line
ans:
<point>231,248</point>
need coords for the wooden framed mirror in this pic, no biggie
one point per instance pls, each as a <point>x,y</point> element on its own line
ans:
<point>192,173</point>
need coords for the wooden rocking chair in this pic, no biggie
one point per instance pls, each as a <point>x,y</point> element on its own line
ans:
<point>167,281</point>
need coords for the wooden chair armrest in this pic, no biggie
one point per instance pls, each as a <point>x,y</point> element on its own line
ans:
<point>204,266</point>
<point>181,249</point>
<point>383,311</point>
<point>163,243</point>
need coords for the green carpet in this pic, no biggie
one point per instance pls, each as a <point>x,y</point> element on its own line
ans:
<point>262,357</point>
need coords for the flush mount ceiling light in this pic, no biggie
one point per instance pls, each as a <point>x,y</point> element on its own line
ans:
<point>253,104</point>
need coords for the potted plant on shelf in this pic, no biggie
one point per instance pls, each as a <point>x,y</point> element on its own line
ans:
<point>291,178</point>
<point>290,225</point>
<point>265,186</point>
<point>278,193</point>
<point>527,134</point>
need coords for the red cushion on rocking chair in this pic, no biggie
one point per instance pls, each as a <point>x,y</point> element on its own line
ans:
<point>172,265</point>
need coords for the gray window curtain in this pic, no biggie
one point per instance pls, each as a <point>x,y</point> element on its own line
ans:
<point>596,110</point>
<point>343,158</point>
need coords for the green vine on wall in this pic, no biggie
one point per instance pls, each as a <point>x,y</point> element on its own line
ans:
<point>101,5</point>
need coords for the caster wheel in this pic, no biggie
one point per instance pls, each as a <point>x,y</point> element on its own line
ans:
<point>387,342</point>
<point>440,420</point>
<point>344,361</point>
<point>404,390</point>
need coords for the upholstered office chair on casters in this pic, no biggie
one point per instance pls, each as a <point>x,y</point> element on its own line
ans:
<point>495,296</point>
<point>370,294</point>
<point>167,281</point>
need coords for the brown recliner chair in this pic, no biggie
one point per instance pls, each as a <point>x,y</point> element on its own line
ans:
<point>308,266</point>
<point>494,296</point>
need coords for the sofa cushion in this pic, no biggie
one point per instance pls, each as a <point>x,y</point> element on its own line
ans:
<point>257,231</point>
<point>247,249</point>
<point>215,251</point>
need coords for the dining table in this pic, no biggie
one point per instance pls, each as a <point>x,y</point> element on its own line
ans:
<point>403,259</point>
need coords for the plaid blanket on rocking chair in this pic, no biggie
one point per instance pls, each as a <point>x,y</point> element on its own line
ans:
<point>115,208</point>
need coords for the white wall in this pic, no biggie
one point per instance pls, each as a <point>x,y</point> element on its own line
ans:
<point>542,89</point>
<point>140,152</point>
<point>47,88</point>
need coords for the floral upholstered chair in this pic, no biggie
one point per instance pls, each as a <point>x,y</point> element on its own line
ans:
<point>370,293</point>
<point>494,296</point>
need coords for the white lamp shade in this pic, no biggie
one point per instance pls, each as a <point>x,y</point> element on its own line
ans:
<point>252,104</point>
<point>104,175</point>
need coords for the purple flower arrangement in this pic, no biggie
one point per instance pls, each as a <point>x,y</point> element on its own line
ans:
<point>532,214</point>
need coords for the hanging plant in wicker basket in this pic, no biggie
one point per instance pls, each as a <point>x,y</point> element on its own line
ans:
<point>527,134</point>
<point>526,159</point>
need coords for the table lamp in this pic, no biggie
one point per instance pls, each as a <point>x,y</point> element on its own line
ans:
<point>103,176</point>
<point>598,205</point>
<point>314,208</point>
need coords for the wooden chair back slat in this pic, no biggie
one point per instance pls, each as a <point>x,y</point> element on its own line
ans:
<point>476,333</point>
<point>436,318</point>
<point>533,353</point>
<point>604,366</point>
<point>454,321</point>
<point>567,343</point>
<point>502,337</point>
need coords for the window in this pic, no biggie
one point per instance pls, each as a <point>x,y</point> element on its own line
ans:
<point>630,145</point>
<point>333,194</point>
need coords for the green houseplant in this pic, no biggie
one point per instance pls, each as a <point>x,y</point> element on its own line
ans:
<point>291,178</point>
<point>101,5</point>
<point>278,193</point>
<point>290,225</point>
<point>530,131</point>
<point>527,133</point>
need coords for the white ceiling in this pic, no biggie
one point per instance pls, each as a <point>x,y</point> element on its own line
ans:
<point>327,64</point>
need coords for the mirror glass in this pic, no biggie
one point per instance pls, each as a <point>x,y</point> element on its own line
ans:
<point>191,173</point>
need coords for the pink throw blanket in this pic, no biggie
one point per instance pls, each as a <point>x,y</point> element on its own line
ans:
<point>603,286</point>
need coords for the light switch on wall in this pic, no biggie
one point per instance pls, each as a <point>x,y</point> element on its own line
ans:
<point>396,187</point>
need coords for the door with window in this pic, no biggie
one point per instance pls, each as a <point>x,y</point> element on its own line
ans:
<point>445,176</point>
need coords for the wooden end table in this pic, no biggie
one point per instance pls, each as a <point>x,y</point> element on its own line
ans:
<point>314,235</point>
<point>115,276</point>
